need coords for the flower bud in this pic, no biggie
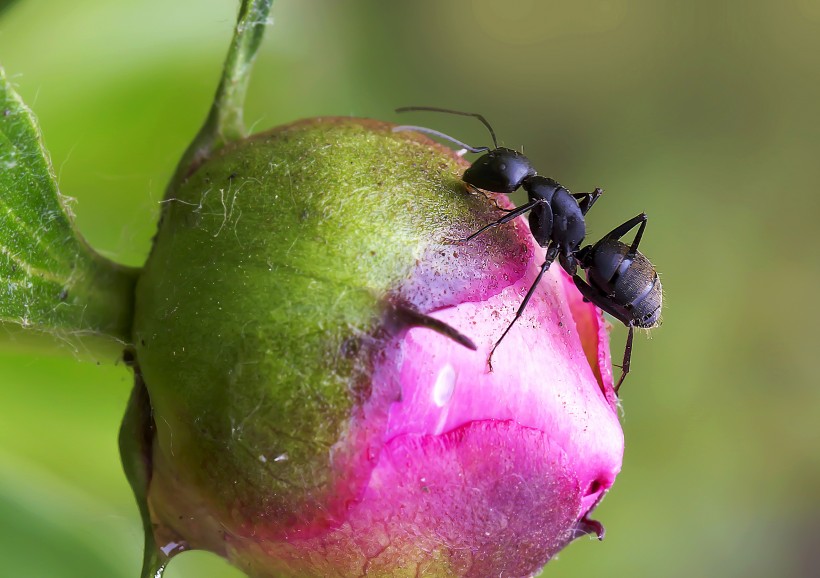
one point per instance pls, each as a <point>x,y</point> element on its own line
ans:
<point>313,340</point>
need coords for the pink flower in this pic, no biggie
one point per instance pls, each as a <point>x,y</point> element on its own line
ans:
<point>416,461</point>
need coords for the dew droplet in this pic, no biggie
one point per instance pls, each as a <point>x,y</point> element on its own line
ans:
<point>445,385</point>
<point>171,549</point>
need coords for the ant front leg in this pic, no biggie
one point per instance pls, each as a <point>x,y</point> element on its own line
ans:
<point>586,200</point>
<point>517,212</point>
<point>474,189</point>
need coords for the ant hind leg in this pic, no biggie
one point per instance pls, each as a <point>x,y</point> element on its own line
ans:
<point>627,358</point>
<point>586,200</point>
<point>624,228</point>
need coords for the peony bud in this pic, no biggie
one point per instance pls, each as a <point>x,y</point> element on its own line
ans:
<point>303,332</point>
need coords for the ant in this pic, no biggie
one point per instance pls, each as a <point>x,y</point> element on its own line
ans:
<point>556,216</point>
<point>622,282</point>
<point>620,279</point>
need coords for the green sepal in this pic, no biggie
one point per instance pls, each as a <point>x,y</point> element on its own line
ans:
<point>135,440</point>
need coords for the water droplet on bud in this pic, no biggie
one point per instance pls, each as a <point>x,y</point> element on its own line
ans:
<point>445,385</point>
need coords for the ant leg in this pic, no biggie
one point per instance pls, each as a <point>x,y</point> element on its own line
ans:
<point>606,304</point>
<point>633,249</point>
<point>627,358</point>
<point>601,301</point>
<point>586,200</point>
<point>475,189</point>
<point>518,211</point>
<point>552,252</point>
<point>623,229</point>
<point>569,263</point>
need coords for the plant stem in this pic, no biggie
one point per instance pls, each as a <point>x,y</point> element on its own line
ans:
<point>224,123</point>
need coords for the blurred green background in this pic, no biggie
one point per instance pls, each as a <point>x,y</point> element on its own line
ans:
<point>705,114</point>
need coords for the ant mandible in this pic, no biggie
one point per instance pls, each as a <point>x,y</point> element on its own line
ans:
<point>556,216</point>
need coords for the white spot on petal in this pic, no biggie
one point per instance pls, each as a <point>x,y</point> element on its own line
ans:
<point>445,385</point>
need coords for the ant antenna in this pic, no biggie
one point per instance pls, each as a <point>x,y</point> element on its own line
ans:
<point>430,131</point>
<point>460,113</point>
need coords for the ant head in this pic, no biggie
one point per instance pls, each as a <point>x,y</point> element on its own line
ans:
<point>501,170</point>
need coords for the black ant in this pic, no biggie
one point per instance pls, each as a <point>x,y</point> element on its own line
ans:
<point>620,279</point>
<point>556,215</point>
<point>622,282</point>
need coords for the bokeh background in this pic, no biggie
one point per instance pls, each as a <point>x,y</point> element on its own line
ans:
<point>705,114</point>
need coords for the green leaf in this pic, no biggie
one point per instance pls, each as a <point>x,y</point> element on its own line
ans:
<point>51,281</point>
